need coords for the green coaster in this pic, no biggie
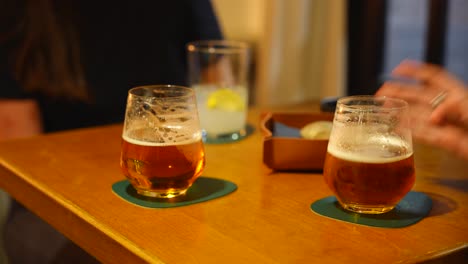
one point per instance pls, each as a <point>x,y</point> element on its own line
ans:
<point>230,138</point>
<point>412,208</point>
<point>203,189</point>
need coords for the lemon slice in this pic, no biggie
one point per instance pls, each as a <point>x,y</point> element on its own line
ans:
<point>317,130</point>
<point>226,100</point>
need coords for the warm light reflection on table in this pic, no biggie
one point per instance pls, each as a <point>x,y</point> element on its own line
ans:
<point>66,179</point>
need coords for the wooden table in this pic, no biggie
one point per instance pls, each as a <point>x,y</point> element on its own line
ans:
<point>66,179</point>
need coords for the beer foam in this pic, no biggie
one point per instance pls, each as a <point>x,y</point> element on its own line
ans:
<point>373,153</point>
<point>183,140</point>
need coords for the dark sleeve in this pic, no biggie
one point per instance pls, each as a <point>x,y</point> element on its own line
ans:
<point>9,88</point>
<point>205,22</point>
<point>11,12</point>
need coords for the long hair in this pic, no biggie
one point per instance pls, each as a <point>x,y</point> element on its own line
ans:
<point>43,47</point>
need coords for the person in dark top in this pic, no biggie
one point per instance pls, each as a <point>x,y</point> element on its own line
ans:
<point>77,59</point>
<point>67,64</point>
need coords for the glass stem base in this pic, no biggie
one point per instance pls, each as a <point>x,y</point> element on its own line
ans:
<point>367,209</point>
<point>163,194</point>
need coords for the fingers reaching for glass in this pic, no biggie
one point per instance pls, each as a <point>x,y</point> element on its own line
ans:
<point>438,105</point>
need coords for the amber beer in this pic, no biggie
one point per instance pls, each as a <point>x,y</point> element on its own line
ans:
<point>162,170</point>
<point>370,181</point>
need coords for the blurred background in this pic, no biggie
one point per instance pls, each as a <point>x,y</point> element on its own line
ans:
<point>309,49</point>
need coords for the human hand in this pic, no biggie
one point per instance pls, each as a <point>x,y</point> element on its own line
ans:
<point>19,118</point>
<point>438,105</point>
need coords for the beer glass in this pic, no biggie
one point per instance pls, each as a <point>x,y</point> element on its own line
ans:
<point>369,163</point>
<point>219,73</point>
<point>162,151</point>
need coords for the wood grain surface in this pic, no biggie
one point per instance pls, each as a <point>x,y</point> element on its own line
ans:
<point>65,178</point>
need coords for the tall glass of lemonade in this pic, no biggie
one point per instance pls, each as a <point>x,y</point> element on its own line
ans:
<point>219,74</point>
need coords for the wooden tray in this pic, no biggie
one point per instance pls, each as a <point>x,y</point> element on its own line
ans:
<point>292,153</point>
